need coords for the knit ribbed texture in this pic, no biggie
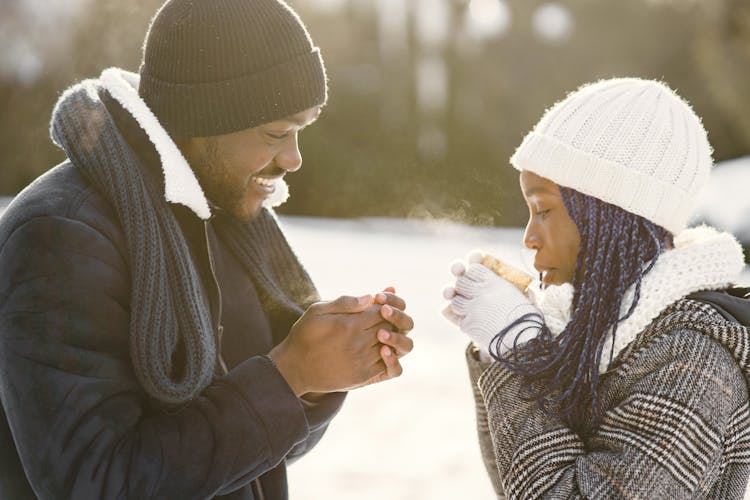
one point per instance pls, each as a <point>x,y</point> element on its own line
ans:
<point>166,306</point>
<point>220,66</point>
<point>168,311</point>
<point>715,261</point>
<point>630,142</point>
<point>283,285</point>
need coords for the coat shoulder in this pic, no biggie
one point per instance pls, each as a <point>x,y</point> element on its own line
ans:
<point>62,192</point>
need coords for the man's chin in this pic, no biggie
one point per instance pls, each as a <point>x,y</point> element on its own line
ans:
<point>249,208</point>
<point>247,215</point>
<point>243,212</point>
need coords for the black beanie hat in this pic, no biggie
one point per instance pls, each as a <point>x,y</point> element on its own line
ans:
<point>213,67</point>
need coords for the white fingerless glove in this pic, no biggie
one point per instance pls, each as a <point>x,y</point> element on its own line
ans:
<point>482,304</point>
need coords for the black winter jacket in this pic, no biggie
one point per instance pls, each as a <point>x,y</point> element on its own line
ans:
<point>74,421</point>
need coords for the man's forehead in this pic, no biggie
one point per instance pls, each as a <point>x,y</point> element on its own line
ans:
<point>302,118</point>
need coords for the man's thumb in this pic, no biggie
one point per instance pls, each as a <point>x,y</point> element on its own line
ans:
<point>346,304</point>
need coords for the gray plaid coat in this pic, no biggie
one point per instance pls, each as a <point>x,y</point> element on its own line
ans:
<point>676,419</point>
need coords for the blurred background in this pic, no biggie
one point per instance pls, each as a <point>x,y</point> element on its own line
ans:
<point>428,98</point>
<point>408,168</point>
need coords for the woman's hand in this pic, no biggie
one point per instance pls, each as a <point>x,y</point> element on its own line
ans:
<point>482,304</point>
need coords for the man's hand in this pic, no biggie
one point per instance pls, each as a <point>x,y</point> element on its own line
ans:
<point>345,343</point>
<point>393,335</point>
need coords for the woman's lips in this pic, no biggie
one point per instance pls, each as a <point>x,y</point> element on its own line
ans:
<point>546,273</point>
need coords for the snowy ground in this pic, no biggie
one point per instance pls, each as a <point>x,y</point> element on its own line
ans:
<point>412,438</point>
<point>724,202</point>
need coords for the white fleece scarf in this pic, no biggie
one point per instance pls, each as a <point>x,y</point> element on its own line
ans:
<point>180,183</point>
<point>702,259</point>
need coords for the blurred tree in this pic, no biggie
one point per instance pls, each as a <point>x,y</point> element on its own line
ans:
<point>70,40</point>
<point>722,53</point>
<point>428,98</point>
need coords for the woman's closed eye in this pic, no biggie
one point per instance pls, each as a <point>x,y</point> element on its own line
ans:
<point>542,213</point>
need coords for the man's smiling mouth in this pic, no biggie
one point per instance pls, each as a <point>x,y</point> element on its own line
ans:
<point>266,182</point>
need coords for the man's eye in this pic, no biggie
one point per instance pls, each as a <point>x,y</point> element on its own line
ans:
<point>542,213</point>
<point>283,135</point>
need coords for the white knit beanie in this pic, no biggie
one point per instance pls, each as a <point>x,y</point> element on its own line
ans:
<point>630,142</point>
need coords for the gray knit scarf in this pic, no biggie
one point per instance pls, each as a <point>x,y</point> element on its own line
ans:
<point>168,313</point>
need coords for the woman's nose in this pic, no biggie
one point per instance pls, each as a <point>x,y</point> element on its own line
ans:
<point>531,238</point>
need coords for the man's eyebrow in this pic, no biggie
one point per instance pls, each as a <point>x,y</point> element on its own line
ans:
<point>300,122</point>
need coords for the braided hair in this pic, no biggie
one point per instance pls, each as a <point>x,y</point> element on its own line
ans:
<point>617,248</point>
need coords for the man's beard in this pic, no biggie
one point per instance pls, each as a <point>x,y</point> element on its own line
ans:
<point>226,192</point>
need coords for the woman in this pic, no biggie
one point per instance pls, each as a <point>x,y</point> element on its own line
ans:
<point>636,387</point>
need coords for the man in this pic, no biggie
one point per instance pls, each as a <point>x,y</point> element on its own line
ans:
<point>158,337</point>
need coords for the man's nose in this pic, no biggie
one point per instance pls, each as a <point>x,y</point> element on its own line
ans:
<point>290,158</point>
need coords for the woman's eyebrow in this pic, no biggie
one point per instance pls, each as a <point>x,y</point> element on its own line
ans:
<point>531,191</point>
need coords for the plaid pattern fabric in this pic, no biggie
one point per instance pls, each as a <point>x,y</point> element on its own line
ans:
<point>676,419</point>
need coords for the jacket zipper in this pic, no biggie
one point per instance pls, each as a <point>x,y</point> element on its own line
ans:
<point>220,333</point>
<point>259,489</point>
<point>219,326</point>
